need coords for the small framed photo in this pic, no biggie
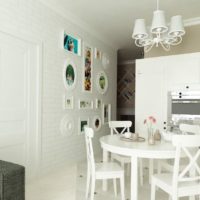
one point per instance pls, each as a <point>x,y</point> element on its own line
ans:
<point>82,123</point>
<point>106,113</point>
<point>97,123</point>
<point>87,68</point>
<point>85,104</point>
<point>102,82</point>
<point>72,44</point>
<point>68,102</point>
<point>97,54</point>
<point>98,103</point>
<point>69,74</point>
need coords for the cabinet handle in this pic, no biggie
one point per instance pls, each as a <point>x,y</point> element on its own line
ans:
<point>180,93</point>
<point>164,128</point>
<point>164,122</point>
<point>180,97</point>
<point>187,87</point>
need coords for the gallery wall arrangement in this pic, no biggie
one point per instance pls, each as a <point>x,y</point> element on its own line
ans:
<point>88,82</point>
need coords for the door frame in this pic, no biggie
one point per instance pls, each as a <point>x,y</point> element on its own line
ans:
<point>38,43</point>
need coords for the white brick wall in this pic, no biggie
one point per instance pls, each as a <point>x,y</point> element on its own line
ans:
<point>32,20</point>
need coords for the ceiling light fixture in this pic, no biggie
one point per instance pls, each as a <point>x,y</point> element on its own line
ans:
<point>159,33</point>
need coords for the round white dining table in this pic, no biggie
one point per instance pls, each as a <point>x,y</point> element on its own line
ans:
<point>113,144</point>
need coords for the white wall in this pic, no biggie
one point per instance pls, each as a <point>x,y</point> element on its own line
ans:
<point>33,21</point>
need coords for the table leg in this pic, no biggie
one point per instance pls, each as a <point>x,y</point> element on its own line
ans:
<point>105,159</point>
<point>134,178</point>
<point>151,167</point>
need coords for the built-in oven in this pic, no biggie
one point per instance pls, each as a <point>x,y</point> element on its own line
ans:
<point>183,107</point>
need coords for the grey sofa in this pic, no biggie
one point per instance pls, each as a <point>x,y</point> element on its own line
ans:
<point>12,181</point>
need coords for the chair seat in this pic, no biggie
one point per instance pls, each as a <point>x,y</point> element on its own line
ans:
<point>164,181</point>
<point>124,159</point>
<point>108,170</point>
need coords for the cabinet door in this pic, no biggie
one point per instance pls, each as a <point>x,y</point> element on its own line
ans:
<point>181,71</point>
<point>149,94</point>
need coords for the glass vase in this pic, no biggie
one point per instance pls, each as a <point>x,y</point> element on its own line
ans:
<point>151,139</point>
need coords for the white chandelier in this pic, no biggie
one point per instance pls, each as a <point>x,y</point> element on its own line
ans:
<point>159,33</point>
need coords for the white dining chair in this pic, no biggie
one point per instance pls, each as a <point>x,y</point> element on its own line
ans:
<point>181,182</point>
<point>109,170</point>
<point>120,127</point>
<point>185,129</point>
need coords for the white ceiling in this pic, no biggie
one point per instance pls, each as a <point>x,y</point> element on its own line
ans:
<point>113,20</point>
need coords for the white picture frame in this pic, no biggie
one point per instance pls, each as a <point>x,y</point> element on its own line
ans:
<point>85,104</point>
<point>102,82</point>
<point>106,113</point>
<point>97,54</point>
<point>97,123</point>
<point>68,102</point>
<point>83,121</point>
<point>77,43</point>
<point>69,74</point>
<point>87,84</point>
<point>98,103</point>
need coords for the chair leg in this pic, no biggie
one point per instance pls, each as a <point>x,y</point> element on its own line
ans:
<point>122,188</point>
<point>150,169</point>
<point>153,190</point>
<point>92,188</point>
<point>87,184</point>
<point>115,186</point>
<point>141,172</point>
<point>159,166</point>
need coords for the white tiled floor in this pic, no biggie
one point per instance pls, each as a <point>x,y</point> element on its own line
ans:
<point>61,185</point>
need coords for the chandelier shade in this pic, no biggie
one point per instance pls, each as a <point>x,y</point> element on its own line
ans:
<point>139,31</point>
<point>159,33</point>
<point>158,22</point>
<point>176,26</point>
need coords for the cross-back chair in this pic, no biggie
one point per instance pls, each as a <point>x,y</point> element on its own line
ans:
<point>109,170</point>
<point>120,127</point>
<point>182,181</point>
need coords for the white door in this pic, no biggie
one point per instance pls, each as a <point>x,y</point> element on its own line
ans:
<point>18,102</point>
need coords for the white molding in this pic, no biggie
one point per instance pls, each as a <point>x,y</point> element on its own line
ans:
<point>192,21</point>
<point>73,19</point>
<point>127,62</point>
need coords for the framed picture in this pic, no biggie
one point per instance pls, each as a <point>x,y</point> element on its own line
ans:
<point>69,74</point>
<point>87,68</point>
<point>72,44</point>
<point>98,103</point>
<point>102,82</point>
<point>97,54</point>
<point>67,125</point>
<point>106,113</point>
<point>85,104</point>
<point>82,123</point>
<point>68,102</point>
<point>97,123</point>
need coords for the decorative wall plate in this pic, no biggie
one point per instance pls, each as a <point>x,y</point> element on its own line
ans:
<point>102,82</point>
<point>67,125</point>
<point>69,74</point>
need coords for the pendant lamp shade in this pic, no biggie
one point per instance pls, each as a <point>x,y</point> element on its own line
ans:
<point>139,31</point>
<point>176,26</point>
<point>158,22</point>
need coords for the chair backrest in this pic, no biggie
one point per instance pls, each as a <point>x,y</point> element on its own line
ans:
<point>189,145</point>
<point>123,125</point>
<point>190,128</point>
<point>89,134</point>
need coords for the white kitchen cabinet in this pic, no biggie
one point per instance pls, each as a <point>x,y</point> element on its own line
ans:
<point>155,77</point>
<point>149,88</point>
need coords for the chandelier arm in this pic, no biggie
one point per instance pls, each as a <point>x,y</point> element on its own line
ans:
<point>178,42</point>
<point>137,43</point>
<point>148,47</point>
<point>165,46</point>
